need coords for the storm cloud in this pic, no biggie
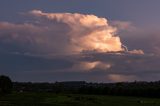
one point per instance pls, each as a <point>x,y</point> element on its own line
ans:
<point>59,33</point>
<point>73,46</point>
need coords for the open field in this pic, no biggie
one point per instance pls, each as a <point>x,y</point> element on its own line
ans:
<point>49,99</point>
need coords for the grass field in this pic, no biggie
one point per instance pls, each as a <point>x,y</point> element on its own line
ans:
<point>49,99</point>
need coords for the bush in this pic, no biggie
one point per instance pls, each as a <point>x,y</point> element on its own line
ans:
<point>5,84</point>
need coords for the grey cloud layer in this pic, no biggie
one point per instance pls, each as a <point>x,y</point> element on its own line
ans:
<point>99,67</point>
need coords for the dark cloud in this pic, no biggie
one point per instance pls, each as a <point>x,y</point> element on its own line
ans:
<point>18,62</point>
<point>146,39</point>
<point>98,67</point>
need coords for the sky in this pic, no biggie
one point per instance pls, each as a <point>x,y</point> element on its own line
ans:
<point>80,40</point>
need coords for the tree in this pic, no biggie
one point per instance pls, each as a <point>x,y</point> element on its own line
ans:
<point>5,84</point>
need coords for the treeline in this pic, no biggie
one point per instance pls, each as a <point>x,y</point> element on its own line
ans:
<point>145,89</point>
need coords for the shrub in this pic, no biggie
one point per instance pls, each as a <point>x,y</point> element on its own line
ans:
<point>5,84</point>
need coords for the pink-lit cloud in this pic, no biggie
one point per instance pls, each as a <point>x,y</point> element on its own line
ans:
<point>87,32</point>
<point>89,66</point>
<point>136,52</point>
<point>120,77</point>
<point>61,33</point>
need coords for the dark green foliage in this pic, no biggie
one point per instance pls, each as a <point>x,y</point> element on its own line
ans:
<point>5,85</point>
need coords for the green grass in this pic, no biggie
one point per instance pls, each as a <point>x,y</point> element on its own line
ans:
<point>49,99</point>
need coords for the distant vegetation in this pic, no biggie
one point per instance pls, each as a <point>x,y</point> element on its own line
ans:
<point>78,93</point>
<point>144,89</point>
<point>141,89</point>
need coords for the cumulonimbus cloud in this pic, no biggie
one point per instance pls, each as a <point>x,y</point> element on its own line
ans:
<point>61,33</point>
<point>67,33</point>
<point>87,32</point>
